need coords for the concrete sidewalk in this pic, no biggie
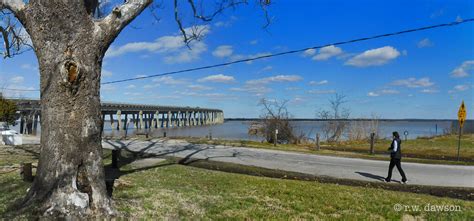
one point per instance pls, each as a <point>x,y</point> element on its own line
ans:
<point>338,167</point>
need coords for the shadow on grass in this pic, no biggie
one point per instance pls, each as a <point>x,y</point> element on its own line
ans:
<point>128,155</point>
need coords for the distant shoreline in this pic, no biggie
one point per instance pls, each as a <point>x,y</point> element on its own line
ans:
<point>357,119</point>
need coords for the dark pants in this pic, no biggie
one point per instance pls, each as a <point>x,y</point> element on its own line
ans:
<point>395,162</point>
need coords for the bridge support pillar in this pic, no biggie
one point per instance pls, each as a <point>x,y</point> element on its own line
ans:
<point>140,115</point>
<point>168,124</point>
<point>112,123</point>
<point>119,120</point>
<point>155,120</point>
<point>126,122</point>
<point>35,124</point>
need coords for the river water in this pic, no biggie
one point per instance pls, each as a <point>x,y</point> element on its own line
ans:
<point>238,130</point>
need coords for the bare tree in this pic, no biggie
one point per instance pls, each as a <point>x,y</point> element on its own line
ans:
<point>70,38</point>
<point>275,116</point>
<point>361,129</point>
<point>336,118</point>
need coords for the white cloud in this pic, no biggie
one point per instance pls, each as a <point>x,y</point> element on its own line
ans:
<point>277,78</point>
<point>322,91</point>
<point>150,86</point>
<point>133,93</point>
<point>318,82</point>
<point>169,80</point>
<point>327,52</point>
<point>106,73</point>
<point>131,86</point>
<point>240,56</point>
<point>206,95</point>
<point>29,67</point>
<point>218,78</point>
<point>266,68</point>
<point>172,45</point>
<point>197,87</point>
<point>426,42</point>
<point>309,52</point>
<point>389,91</point>
<point>107,87</point>
<point>221,24</point>
<point>459,88</point>
<point>429,91</point>
<point>257,90</point>
<point>18,93</point>
<point>223,51</point>
<point>437,13</point>
<point>463,69</point>
<point>373,94</point>
<point>414,83</point>
<point>17,79</point>
<point>382,92</point>
<point>253,42</point>
<point>459,19</point>
<point>292,88</point>
<point>228,23</point>
<point>186,55</point>
<point>374,57</point>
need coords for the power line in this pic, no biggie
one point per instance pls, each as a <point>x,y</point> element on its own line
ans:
<point>17,89</point>
<point>295,51</point>
<point>286,52</point>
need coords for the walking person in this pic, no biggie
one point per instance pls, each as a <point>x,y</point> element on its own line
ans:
<point>396,157</point>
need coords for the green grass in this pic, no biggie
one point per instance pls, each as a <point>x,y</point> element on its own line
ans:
<point>439,147</point>
<point>181,192</point>
<point>437,150</point>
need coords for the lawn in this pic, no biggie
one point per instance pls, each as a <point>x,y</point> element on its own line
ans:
<point>441,149</point>
<point>174,191</point>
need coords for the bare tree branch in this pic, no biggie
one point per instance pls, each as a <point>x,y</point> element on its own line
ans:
<point>12,35</point>
<point>198,14</point>
<point>15,6</point>
<point>109,27</point>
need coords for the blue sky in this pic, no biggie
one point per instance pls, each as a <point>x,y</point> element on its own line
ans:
<point>418,75</point>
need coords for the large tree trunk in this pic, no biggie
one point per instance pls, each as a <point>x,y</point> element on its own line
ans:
<point>70,45</point>
<point>70,176</point>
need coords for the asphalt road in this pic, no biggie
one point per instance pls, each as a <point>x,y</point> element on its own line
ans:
<point>338,167</point>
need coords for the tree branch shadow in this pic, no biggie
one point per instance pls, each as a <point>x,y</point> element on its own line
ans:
<point>127,155</point>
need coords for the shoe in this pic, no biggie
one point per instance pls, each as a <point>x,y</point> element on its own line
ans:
<point>386,181</point>
<point>404,182</point>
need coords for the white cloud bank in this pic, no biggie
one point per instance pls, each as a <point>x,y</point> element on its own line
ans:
<point>414,83</point>
<point>277,78</point>
<point>324,53</point>
<point>172,45</point>
<point>318,82</point>
<point>425,43</point>
<point>374,57</point>
<point>218,78</point>
<point>327,52</point>
<point>223,51</point>
<point>463,70</point>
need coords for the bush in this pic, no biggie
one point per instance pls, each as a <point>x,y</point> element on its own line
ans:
<point>7,111</point>
<point>275,116</point>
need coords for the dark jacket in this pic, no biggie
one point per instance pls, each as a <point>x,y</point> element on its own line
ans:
<point>397,154</point>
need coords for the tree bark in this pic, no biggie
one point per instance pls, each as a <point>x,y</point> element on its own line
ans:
<point>70,45</point>
<point>70,177</point>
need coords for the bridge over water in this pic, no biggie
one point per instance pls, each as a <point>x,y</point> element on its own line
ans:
<point>123,116</point>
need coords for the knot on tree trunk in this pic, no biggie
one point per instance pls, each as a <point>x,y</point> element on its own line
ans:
<point>71,74</point>
<point>71,71</point>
